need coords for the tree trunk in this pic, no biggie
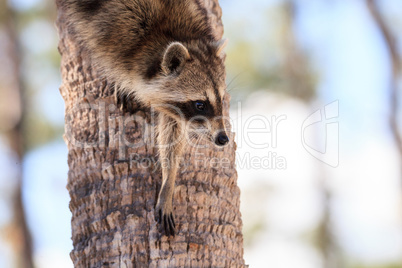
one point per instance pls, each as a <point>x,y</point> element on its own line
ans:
<point>114,180</point>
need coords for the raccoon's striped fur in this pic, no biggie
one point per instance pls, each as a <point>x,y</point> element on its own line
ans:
<point>163,54</point>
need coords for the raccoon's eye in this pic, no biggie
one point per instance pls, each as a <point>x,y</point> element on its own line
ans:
<point>200,105</point>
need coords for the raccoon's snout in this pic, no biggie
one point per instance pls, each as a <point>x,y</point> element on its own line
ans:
<point>221,139</point>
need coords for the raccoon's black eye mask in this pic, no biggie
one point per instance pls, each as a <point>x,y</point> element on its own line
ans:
<point>192,109</point>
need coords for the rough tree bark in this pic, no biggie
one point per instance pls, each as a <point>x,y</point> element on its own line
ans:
<point>114,179</point>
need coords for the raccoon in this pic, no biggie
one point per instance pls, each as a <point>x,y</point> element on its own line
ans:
<point>163,54</point>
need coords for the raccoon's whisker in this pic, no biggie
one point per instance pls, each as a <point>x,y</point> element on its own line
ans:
<point>191,138</point>
<point>196,143</point>
<point>233,79</point>
<point>195,146</point>
<point>238,117</point>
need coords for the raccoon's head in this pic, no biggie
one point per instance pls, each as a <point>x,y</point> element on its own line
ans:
<point>194,77</point>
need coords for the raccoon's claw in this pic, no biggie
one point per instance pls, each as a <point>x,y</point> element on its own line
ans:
<point>126,104</point>
<point>166,222</point>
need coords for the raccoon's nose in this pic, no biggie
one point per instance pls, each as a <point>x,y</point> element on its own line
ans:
<point>222,139</point>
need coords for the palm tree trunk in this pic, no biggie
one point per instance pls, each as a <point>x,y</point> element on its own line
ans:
<point>114,179</point>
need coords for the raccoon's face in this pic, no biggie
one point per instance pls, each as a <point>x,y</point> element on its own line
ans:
<point>195,78</point>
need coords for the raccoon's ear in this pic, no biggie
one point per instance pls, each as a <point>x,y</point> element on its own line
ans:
<point>220,46</point>
<point>174,58</point>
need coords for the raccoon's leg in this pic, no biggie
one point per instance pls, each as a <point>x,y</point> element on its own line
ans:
<point>170,150</point>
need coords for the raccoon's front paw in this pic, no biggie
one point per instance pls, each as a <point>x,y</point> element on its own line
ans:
<point>126,104</point>
<point>165,219</point>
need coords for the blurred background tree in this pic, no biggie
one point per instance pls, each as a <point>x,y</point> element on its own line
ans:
<point>13,114</point>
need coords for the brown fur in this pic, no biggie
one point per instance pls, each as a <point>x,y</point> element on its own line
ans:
<point>162,53</point>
